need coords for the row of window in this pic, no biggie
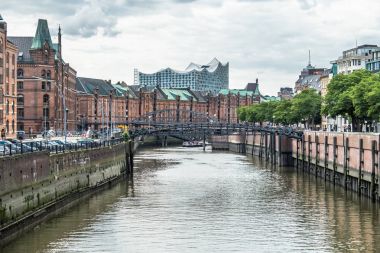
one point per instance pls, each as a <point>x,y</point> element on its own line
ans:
<point>46,74</point>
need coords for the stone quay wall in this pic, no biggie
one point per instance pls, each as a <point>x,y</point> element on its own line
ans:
<point>350,160</point>
<point>34,185</point>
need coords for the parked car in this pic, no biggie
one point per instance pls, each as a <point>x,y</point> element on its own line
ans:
<point>11,146</point>
<point>20,135</point>
<point>4,150</point>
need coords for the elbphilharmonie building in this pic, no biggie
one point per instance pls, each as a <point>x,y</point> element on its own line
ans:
<point>209,77</point>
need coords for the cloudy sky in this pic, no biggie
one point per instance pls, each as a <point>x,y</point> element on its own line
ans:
<point>268,39</point>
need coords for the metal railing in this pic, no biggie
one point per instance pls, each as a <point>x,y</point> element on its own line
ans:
<point>39,146</point>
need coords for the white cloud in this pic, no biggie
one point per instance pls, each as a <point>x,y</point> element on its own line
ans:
<point>269,39</point>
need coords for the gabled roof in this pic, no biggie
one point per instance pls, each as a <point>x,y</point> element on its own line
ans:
<point>23,44</point>
<point>251,86</point>
<point>42,35</point>
<point>88,85</point>
<point>241,92</point>
<point>184,94</point>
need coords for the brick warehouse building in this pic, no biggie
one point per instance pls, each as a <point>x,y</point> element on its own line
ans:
<point>101,104</point>
<point>44,79</point>
<point>8,92</point>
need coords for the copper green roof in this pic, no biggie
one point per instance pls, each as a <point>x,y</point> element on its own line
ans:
<point>268,98</point>
<point>184,94</point>
<point>242,92</point>
<point>42,35</point>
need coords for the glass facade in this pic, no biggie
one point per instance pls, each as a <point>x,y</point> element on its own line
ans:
<point>211,77</point>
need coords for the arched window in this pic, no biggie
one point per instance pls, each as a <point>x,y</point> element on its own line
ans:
<point>46,99</point>
<point>48,74</point>
<point>20,99</point>
<point>7,108</point>
<point>20,73</point>
<point>43,73</point>
<point>7,126</point>
<point>13,125</point>
<point>13,107</point>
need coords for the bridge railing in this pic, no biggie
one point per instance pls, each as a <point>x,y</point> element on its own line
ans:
<point>141,128</point>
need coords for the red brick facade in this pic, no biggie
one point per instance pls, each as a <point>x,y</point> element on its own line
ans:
<point>8,79</point>
<point>221,107</point>
<point>43,80</point>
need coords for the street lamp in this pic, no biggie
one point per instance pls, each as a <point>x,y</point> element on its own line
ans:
<point>66,111</point>
<point>150,116</point>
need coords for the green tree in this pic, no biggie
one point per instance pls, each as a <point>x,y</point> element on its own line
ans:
<point>373,99</point>
<point>283,114</point>
<point>242,113</point>
<point>339,99</point>
<point>306,107</point>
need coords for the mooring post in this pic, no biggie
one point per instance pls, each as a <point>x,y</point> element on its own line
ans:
<point>280,162</point>
<point>274,148</point>
<point>373,174</point>
<point>361,162</point>
<point>261,144</point>
<point>253,142</point>
<point>204,140</point>
<point>335,155</point>
<point>326,156</point>
<point>297,153</point>
<point>316,155</point>
<point>131,156</point>
<point>127,165</point>
<point>309,153</point>
<point>266,146</point>
<point>346,162</point>
<point>303,152</point>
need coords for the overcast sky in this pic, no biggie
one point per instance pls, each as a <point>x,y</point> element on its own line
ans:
<point>268,39</point>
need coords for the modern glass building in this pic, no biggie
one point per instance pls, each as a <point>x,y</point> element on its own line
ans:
<point>210,77</point>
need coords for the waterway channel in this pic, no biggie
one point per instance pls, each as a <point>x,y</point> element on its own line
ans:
<point>187,200</point>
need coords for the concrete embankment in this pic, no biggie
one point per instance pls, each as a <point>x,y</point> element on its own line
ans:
<point>36,186</point>
<point>350,160</point>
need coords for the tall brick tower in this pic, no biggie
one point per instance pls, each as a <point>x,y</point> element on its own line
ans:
<point>8,92</point>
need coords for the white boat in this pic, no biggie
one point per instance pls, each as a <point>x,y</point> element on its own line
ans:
<point>190,144</point>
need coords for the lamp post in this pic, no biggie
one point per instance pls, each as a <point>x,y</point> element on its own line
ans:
<point>66,111</point>
<point>150,116</point>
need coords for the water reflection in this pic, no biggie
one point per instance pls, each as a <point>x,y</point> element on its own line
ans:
<point>187,200</point>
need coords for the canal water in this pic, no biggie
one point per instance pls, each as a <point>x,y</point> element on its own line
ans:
<point>187,200</point>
